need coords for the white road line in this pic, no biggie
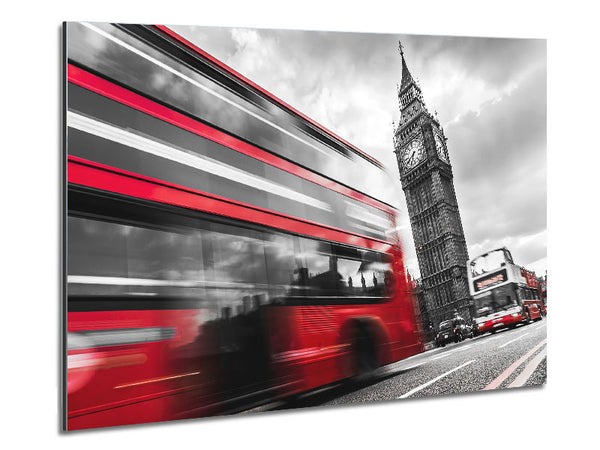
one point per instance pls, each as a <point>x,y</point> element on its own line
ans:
<point>513,340</point>
<point>423,386</point>
<point>463,348</point>
<point>449,352</point>
<point>528,370</point>
<point>504,375</point>
<point>441,356</point>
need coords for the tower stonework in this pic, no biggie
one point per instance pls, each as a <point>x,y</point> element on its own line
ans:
<point>428,184</point>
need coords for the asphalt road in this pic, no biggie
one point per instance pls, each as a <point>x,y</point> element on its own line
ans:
<point>507,359</point>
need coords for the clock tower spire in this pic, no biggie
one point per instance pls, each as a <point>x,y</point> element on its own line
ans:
<point>406,76</point>
<point>428,184</point>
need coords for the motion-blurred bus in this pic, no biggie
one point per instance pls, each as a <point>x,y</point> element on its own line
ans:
<point>223,249</point>
<point>504,293</point>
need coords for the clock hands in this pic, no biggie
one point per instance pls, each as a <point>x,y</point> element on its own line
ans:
<point>411,153</point>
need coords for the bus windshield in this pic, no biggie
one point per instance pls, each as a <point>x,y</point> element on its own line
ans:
<point>489,262</point>
<point>498,299</point>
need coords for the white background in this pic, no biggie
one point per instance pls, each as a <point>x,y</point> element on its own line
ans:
<point>563,413</point>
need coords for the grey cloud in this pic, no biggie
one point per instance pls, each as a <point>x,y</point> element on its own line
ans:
<point>495,60</point>
<point>499,159</point>
<point>498,149</point>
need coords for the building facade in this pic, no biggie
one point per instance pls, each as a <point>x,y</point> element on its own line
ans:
<point>428,184</point>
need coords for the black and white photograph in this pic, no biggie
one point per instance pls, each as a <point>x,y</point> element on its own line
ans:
<point>323,224</point>
<point>227,252</point>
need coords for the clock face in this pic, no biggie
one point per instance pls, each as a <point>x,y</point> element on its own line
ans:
<point>413,153</point>
<point>441,151</point>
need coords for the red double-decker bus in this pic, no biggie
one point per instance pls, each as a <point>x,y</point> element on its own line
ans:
<point>504,293</point>
<point>223,249</point>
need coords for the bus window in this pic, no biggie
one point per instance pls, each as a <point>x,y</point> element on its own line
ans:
<point>349,269</point>
<point>238,255</point>
<point>487,263</point>
<point>315,269</point>
<point>280,251</point>
<point>377,273</point>
<point>109,258</point>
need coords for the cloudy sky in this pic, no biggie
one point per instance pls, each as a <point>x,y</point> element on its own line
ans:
<point>490,95</point>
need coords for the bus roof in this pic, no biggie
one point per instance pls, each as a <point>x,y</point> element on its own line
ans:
<point>491,251</point>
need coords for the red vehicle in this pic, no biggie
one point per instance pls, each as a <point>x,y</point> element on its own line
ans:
<point>504,294</point>
<point>217,256</point>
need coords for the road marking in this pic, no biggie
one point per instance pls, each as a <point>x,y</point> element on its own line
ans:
<point>454,350</point>
<point>528,370</point>
<point>463,348</point>
<point>423,386</point>
<point>513,340</point>
<point>504,375</point>
<point>441,356</point>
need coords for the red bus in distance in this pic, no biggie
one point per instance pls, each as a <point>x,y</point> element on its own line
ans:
<point>504,293</point>
<point>217,258</point>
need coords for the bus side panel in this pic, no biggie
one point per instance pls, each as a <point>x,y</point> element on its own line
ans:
<point>134,382</point>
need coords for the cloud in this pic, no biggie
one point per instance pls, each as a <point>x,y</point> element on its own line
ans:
<point>499,160</point>
<point>460,74</point>
<point>490,95</point>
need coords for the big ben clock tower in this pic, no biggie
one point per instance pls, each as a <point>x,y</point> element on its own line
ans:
<point>427,181</point>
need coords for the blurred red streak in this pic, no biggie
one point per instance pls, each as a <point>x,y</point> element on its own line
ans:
<point>154,380</point>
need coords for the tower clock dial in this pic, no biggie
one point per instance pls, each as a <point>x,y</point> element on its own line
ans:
<point>413,153</point>
<point>439,146</point>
